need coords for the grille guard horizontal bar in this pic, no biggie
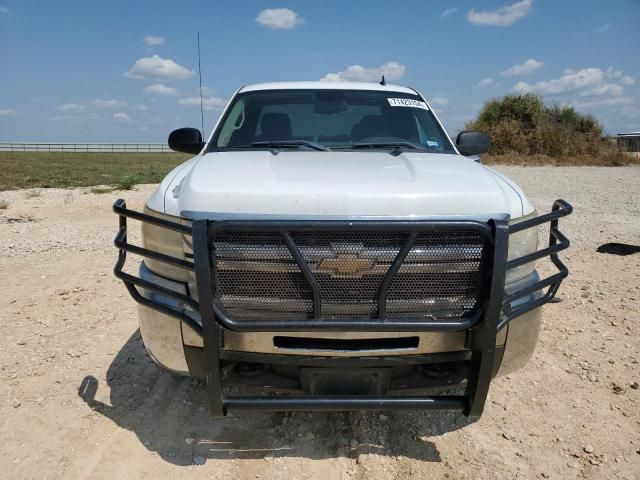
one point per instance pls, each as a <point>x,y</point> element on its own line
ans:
<point>345,403</point>
<point>120,207</point>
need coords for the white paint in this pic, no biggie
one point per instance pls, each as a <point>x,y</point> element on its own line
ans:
<point>339,184</point>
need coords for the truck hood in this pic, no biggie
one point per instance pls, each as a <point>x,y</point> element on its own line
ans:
<point>308,184</point>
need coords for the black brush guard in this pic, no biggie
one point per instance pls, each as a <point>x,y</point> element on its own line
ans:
<point>494,313</point>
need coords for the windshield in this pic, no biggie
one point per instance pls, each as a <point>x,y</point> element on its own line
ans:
<point>337,119</point>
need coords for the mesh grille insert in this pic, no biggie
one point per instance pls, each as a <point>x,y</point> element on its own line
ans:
<point>258,278</point>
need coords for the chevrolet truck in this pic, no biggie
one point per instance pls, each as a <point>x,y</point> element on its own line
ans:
<point>330,247</point>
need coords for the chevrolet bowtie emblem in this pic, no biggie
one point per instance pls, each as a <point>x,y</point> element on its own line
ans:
<point>346,264</point>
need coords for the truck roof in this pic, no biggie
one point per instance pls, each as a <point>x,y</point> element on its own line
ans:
<point>327,86</point>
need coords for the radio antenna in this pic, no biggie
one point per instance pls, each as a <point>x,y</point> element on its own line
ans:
<point>200,76</point>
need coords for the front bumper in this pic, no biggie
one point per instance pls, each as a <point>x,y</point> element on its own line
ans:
<point>208,340</point>
<point>178,348</point>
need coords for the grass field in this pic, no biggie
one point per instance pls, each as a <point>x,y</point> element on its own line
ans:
<point>63,170</point>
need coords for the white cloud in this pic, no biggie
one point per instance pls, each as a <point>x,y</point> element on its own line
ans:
<point>71,108</point>
<point>158,68</point>
<point>87,111</point>
<point>122,117</point>
<point>111,103</point>
<point>160,89</point>
<point>439,101</point>
<point>613,89</point>
<point>356,73</point>
<point>602,28</point>
<point>279,18</point>
<point>603,102</point>
<point>153,41</point>
<point>525,68</point>
<point>77,117</point>
<point>5,10</point>
<point>627,80</point>
<point>620,77</point>
<point>140,107</point>
<point>7,112</point>
<point>501,17</point>
<point>591,90</point>
<point>448,11</point>
<point>209,103</point>
<point>485,82</point>
<point>585,83</point>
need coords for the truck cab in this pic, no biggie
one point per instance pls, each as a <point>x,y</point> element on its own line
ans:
<point>329,247</point>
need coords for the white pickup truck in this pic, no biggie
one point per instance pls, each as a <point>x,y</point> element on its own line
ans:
<point>330,248</point>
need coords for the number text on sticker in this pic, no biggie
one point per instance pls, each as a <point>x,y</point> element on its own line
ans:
<point>407,102</point>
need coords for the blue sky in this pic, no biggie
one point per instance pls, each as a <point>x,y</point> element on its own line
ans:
<point>79,71</point>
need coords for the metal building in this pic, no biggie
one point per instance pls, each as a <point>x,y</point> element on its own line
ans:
<point>629,142</point>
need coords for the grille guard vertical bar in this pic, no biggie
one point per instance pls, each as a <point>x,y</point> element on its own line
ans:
<point>391,273</point>
<point>210,328</point>
<point>483,335</point>
<point>308,275</point>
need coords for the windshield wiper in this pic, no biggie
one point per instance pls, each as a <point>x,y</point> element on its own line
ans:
<point>396,147</point>
<point>384,145</point>
<point>291,143</point>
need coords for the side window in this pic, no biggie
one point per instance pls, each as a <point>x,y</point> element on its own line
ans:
<point>234,122</point>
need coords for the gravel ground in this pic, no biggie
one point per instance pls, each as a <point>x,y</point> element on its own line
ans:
<point>81,399</point>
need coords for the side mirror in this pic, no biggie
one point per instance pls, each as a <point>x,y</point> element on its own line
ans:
<point>186,140</point>
<point>473,143</point>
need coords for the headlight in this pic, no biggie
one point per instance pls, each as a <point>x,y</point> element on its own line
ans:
<point>521,244</point>
<point>163,240</point>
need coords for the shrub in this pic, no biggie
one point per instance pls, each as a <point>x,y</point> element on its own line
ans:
<point>523,124</point>
<point>127,182</point>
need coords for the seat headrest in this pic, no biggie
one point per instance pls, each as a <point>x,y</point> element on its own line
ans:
<point>276,126</point>
<point>369,126</point>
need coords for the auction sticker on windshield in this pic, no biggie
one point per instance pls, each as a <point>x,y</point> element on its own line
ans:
<point>407,102</point>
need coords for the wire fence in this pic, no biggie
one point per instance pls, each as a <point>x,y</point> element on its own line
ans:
<point>84,147</point>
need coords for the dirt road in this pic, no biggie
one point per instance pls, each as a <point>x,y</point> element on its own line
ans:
<point>68,327</point>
